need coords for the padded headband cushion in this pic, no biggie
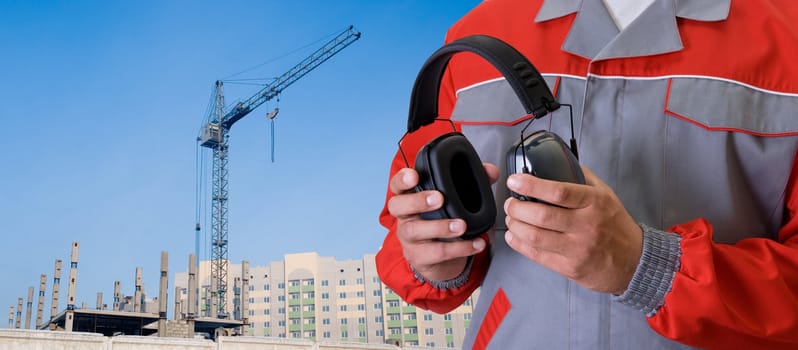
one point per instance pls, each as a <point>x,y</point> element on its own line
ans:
<point>522,76</point>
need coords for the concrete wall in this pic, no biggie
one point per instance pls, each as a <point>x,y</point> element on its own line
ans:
<point>23,339</point>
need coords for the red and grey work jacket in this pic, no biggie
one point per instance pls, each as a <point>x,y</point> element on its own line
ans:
<point>691,115</point>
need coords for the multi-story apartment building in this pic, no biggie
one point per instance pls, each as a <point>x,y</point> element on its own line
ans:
<point>323,299</point>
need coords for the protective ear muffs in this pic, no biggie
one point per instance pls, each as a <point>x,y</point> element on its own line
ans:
<point>449,163</point>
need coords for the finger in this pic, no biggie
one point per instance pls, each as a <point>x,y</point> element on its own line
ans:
<point>404,205</point>
<point>431,253</point>
<point>548,259</point>
<point>404,180</point>
<point>593,180</point>
<point>540,215</point>
<point>528,238</point>
<point>415,231</point>
<point>564,194</point>
<point>492,171</point>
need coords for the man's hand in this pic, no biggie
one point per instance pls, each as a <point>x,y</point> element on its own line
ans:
<point>433,259</point>
<point>588,237</point>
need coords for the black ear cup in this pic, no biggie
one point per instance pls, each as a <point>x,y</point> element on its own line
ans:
<point>545,155</point>
<point>450,164</point>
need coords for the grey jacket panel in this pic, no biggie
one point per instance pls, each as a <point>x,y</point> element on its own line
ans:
<point>648,139</point>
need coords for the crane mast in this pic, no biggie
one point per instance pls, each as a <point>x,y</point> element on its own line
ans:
<point>215,135</point>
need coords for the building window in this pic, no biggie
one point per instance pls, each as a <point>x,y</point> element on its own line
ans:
<point>309,295</point>
<point>293,283</point>
<point>265,287</point>
<point>393,303</point>
<point>467,316</point>
<point>325,295</point>
<point>376,293</point>
<point>429,331</point>
<point>281,335</point>
<point>344,321</point>
<point>375,279</point>
<point>281,285</point>
<point>295,308</point>
<point>377,306</point>
<point>325,321</point>
<point>343,308</point>
<point>310,307</point>
<point>360,294</point>
<point>251,289</point>
<point>325,308</point>
<point>325,283</point>
<point>361,307</point>
<point>310,320</point>
<point>378,319</point>
<point>341,282</point>
<point>379,333</point>
<point>252,312</point>
<point>266,324</point>
<point>359,281</point>
<point>294,321</point>
<point>410,316</point>
<point>449,331</point>
<point>361,320</point>
<point>267,299</point>
<point>450,344</point>
<point>394,317</point>
<point>427,317</point>
<point>395,330</point>
<point>430,344</point>
<point>293,295</point>
<point>341,295</point>
<point>281,311</point>
<point>310,334</point>
<point>411,330</point>
<point>251,300</point>
<point>281,298</point>
<point>467,302</point>
<point>447,317</point>
<point>281,323</point>
<point>296,334</point>
<point>307,282</point>
<point>266,311</point>
<point>326,334</point>
<point>344,334</point>
<point>362,333</point>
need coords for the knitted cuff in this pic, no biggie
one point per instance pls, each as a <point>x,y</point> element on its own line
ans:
<point>655,272</point>
<point>453,283</point>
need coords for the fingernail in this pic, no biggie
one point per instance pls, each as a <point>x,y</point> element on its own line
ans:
<point>508,237</point>
<point>433,200</point>
<point>479,244</point>
<point>512,182</point>
<point>456,226</point>
<point>407,178</point>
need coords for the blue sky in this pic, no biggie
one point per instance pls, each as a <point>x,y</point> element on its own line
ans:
<point>101,103</point>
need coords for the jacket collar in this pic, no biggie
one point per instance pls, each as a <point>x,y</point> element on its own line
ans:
<point>593,33</point>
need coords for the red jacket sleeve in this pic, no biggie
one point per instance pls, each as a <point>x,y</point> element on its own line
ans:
<point>392,267</point>
<point>741,296</point>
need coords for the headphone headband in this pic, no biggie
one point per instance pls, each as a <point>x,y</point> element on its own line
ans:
<point>522,76</point>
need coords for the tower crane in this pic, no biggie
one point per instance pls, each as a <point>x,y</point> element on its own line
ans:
<point>215,133</point>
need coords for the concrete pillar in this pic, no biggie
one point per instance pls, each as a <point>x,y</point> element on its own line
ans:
<point>40,306</point>
<point>162,296</point>
<point>29,308</point>
<point>178,305</point>
<point>137,294</point>
<point>117,295</point>
<point>99,300</point>
<point>56,288</point>
<point>192,295</point>
<point>11,317</point>
<point>244,296</point>
<point>214,297</point>
<point>18,324</point>
<point>193,292</point>
<point>73,276</point>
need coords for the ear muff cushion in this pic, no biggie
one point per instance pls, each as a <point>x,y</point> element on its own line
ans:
<point>450,164</point>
